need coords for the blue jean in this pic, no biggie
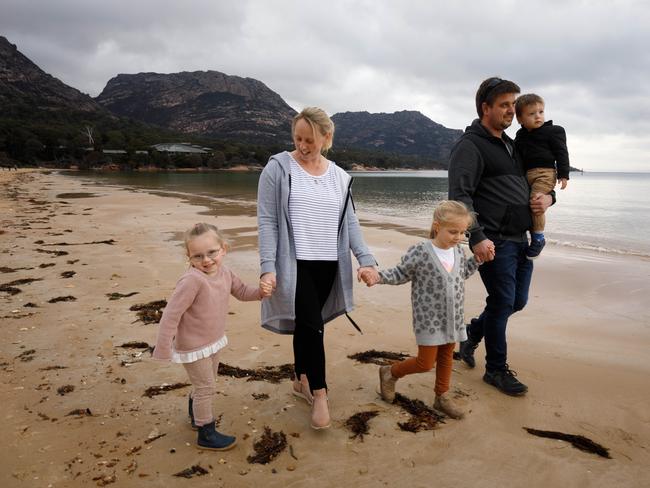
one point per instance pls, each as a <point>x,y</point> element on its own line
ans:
<point>507,280</point>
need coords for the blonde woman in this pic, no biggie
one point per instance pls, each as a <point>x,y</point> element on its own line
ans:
<point>307,227</point>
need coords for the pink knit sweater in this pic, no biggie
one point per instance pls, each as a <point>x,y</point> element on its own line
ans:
<point>195,315</point>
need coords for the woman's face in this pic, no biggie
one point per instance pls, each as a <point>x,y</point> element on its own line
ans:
<point>308,143</point>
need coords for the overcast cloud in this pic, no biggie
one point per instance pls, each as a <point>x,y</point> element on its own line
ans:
<point>588,59</point>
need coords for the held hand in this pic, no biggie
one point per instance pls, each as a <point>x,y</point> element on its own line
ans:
<point>539,202</point>
<point>368,274</point>
<point>484,251</point>
<point>563,182</point>
<point>267,284</point>
<point>266,289</point>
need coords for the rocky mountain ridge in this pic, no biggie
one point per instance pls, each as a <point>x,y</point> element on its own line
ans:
<point>208,103</point>
<point>26,90</point>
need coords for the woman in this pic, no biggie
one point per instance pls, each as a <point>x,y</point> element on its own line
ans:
<point>307,227</point>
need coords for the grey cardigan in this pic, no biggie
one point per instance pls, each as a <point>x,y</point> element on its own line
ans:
<point>437,296</point>
<point>278,254</point>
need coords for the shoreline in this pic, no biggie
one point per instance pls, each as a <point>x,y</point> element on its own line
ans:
<point>580,345</point>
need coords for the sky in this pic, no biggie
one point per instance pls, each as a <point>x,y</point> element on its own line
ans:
<point>588,59</point>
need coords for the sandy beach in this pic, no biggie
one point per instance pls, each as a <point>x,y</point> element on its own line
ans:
<point>75,413</point>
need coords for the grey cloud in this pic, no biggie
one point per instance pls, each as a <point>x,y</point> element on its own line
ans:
<point>588,59</point>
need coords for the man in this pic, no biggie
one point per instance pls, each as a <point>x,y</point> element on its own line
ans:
<point>486,174</point>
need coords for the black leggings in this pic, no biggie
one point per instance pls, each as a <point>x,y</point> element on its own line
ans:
<point>313,286</point>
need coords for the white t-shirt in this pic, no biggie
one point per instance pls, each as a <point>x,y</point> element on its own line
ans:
<point>446,257</point>
<point>314,210</point>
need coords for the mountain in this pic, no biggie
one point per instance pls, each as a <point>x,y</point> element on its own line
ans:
<point>206,103</point>
<point>406,133</point>
<point>27,92</point>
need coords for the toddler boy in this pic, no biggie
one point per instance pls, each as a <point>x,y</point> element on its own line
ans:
<point>543,150</point>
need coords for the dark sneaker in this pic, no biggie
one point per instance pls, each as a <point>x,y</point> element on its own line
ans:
<point>505,381</point>
<point>466,352</point>
<point>535,248</point>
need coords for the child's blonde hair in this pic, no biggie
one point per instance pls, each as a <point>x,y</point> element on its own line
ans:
<point>200,229</point>
<point>450,211</point>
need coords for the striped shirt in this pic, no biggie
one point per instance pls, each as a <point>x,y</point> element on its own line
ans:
<point>314,209</point>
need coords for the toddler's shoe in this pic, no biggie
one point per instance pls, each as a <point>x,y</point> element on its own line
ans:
<point>446,405</point>
<point>210,438</point>
<point>387,384</point>
<point>535,248</point>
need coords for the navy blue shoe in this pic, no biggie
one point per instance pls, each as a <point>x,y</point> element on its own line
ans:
<point>466,352</point>
<point>210,438</point>
<point>535,248</point>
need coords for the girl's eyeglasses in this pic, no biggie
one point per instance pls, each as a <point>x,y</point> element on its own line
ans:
<point>212,254</point>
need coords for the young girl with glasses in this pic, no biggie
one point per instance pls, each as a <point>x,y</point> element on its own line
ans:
<point>437,269</point>
<point>192,327</point>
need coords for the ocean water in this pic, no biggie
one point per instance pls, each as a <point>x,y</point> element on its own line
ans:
<point>609,212</point>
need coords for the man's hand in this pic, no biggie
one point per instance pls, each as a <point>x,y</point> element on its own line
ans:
<point>484,250</point>
<point>539,202</point>
<point>563,183</point>
<point>368,274</point>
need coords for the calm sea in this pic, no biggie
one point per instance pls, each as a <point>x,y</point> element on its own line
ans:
<point>604,211</point>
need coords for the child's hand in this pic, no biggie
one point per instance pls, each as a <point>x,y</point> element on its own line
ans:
<point>563,182</point>
<point>369,275</point>
<point>266,289</point>
<point>267,284</point>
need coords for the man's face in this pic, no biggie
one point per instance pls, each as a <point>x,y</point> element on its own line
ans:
<point>498,116</point>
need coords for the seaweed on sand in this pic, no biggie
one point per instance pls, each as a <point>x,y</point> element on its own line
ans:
<point>117,296</point>
<point>26,356</point>
<point>272,374</point>
<point>110,242</point>
<point>358,423</point>
<point>268,447</point>
<point>382,358</point>
<point>196,470</point>
<point>68,274</point>
<point>149,313</point>
<point>67,298</point>
<point>11,287</point>
<point>136,345</point>
<point>422,416</point>
<point>62,390</point>
<point>577,441</point>
<point>152,391</point>
<point>56,253</point>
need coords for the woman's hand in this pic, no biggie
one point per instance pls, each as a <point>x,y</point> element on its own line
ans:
<point>368,274</point>
<point>267,284</point>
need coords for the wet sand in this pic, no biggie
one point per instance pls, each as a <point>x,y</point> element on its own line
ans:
<point>580,345</point>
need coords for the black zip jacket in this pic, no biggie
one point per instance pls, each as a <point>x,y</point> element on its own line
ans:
<point>485,176</point>
<point>543,148</point>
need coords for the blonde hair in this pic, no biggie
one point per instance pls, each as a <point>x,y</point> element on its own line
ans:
<point>317,119</point>
<point>450,211</point>
<point>203,228</point>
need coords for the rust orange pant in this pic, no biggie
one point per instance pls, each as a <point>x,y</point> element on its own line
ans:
<point>428,356</point>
